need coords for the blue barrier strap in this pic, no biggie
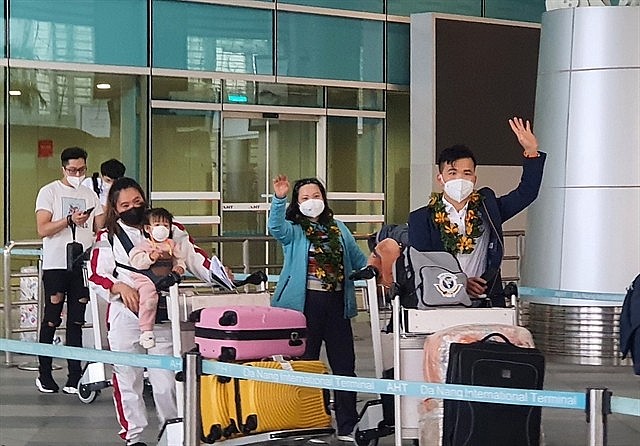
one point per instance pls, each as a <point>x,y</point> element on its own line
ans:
<point>35,252</point>
<point>563,400</point>
<point>554,294</point>
<point>92,355</point>
<point>503,395</point>
<point>626,406</point>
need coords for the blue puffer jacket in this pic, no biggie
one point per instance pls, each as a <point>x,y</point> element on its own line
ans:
<point>292,286</point>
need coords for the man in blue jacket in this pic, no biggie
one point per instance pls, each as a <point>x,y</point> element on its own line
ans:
<point>468,222</point>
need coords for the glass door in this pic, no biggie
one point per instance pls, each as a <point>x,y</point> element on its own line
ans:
<point>255,148</point>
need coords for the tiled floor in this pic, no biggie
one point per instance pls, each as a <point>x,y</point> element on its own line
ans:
<point>29,418</point>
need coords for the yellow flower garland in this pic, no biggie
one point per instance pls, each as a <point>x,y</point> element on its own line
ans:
<point>453,241</point>
<point>327,252</point>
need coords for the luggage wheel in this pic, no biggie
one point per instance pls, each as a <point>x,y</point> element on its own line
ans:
<point>87,396</point>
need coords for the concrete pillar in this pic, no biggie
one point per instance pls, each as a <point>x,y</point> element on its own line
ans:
<point>584,229</point>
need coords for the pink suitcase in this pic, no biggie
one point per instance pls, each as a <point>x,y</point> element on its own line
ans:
<point>239,333</point>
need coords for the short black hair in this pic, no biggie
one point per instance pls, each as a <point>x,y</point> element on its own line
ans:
<point>72,153</point>
<point>113,169</point>
<point>454,153</point>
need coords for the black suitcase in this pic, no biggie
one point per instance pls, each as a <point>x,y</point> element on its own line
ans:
<point>493,364</point>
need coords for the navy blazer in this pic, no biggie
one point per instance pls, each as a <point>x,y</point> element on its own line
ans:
<point>424,235</point>
<point>630,325</point>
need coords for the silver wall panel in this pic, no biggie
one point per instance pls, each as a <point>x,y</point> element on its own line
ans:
<point>542,262</point>
<point>556,42</point>
<point>601,239</point>
<point>551,127</point>
<point>604,122</point>
<point>584,229</point>
<point>606,37</point>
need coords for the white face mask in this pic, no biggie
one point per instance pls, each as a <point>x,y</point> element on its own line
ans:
<point>312,208</point>
<point>75,180</point>
<point>105,188</point>
<point>160,233</point>
<point>458,189</point>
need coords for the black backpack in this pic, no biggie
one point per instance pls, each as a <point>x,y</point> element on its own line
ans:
<point>400,233</point>
<point>94,180</point>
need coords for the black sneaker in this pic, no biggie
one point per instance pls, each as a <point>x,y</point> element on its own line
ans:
<point>46,385</point>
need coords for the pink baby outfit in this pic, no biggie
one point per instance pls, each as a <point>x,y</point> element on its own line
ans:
<point>170,257</point>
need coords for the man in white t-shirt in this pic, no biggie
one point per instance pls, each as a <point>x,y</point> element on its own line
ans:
<point>65,211</point>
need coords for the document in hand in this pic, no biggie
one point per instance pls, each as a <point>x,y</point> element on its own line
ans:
<point>219,275</point>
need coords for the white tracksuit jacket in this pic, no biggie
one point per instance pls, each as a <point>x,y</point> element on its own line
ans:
<point>124,332</point>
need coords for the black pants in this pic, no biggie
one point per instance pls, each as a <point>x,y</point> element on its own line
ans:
<point>71,285</point>
<point>325,322</point>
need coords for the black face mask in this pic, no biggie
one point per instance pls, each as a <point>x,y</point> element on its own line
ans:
<point>133,216</point>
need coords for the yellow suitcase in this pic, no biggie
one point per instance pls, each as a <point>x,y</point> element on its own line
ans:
<point>215,414</point>
<point>259,406</point>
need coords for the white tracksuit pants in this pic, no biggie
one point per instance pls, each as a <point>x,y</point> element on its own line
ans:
<point>124,334</point>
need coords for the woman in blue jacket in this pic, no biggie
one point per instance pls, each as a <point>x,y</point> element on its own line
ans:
<point>319,254</point>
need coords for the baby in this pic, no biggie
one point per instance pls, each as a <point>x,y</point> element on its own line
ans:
<point>156,258</point>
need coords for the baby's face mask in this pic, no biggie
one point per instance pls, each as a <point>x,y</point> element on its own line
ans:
<point>159,231</point>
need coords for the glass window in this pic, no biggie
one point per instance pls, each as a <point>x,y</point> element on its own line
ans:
<point>354,155</point>
<point>188,89</point>
<point>324,47</point>
<point>2,147</point>
<point>352,5</point>
<point>408,7</point>
<point>192,138</point>
<point>523,10</point>
<point>354,164</point>
<point>108,32</point>
<point>263,93</point>
<point>355,98</point>
<point>398,157</point>
<point>198,36</point>
<point>2,33</point>
<point>398,53</point>
<point>255,150</point>
<point>51,110</point>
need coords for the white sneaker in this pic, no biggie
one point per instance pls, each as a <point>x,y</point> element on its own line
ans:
<point>349,438</point>
<point>70,390</point>
<point>147,339</point>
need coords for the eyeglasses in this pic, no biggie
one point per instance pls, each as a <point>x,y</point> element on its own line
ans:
<point>73,171</point>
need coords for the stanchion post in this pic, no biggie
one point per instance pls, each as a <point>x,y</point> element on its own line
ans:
<point>7,299</point>
<point>597,408</point>
<point>246,257</point>
<point>192,370</point>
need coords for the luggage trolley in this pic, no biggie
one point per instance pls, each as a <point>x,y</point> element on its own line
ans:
<point>94,378</point>
<point>403,350</point>
<point>180,306</point>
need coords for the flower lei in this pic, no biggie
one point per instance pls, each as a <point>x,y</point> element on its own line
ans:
<point>327,252</point>
<point>453,241</point>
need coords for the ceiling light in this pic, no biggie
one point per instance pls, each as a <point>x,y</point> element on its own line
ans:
<point>15,93</point>
<point>103,86</point>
